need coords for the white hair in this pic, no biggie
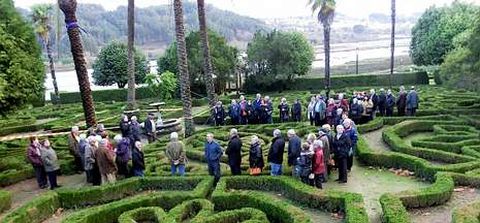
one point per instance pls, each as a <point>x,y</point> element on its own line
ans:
<point>291,132</point>
<point>210,134</point>
<point>255,139</point>
<point>91,139</point>
<point>83,136</point>
<point>311,136</point>
<point>75,128</point>
<point>233,132</point>
<point>340,96</point>
<point>259,95</point>
<point>174,135</point>
<point>284,99</point>
<point>339,111</point>
<point>137,143</point>
<point>327,127</point>
<point>134,118</point>
<point>317,143</point>
<point>347,122</point>
<point>267,98</point>
<point>276,132</point>
<point>98,138</point>
<point>118,138</point>
<point>372,91</point>
<point>402,88</point>
<point>355,101</point>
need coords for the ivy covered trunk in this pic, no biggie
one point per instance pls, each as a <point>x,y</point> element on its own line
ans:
<point>48,45</point>
<point>69,7</point>
<point>183,68</point>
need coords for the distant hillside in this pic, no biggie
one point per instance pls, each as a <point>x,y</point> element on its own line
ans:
<point>154,26</point>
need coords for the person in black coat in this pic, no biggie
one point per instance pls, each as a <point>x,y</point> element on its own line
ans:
<point>251,113</point>
<point>219,114</point>
<point>382,102</point>
<point>234,152</point>
<point>402,101</point>
<point>294,149</point>
<point>390,103</point>
<point>150,128</point>
<point>138,161</point>
<point>125,126</point>
<point>275,154</point>
<point>255,158</point>
<point>134,129</point>
<point>374,98</point>
<point>284,109</point>
<point>297,111</point>
<point>341,145</point>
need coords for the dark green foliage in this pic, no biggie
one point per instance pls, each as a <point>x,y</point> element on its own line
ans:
<point>277,56</point>
<point>433,35</point>
<point>107,95</point>
<point>224,59</point>
<point>467,214</point>
<point>21,68</point>
<point>146,214</point>
<point>5,200</point>
<point>393,209</point>
<point>34,211</point>
<point>110,67</point>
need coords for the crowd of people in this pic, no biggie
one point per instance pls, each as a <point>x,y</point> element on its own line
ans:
<point>361,107</point>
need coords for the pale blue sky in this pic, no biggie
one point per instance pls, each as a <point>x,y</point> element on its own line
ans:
<point>281,8</point>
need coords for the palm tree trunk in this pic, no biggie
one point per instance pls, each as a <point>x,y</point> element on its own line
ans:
<point>392,45</point>
<point>131,61</point>
<point>48,45</point>
<point>207,59</point>
<point>326,46</point>
<point>69,7</point>
<point>183,68</point>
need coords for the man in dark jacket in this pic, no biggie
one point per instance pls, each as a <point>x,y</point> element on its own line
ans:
<point>125,126</point>
<point>297,111</point>
<point>138,161</point>
<point>283,108</point>
<point>294,149</point>
<point>134,130</point>
<point>402,101</point>
<point>213,152</point>
<point>267,108</point>
<point>150,128</point>
<point>275,154</point>
<point>412,102</point>
<point>390,103</point>
<point>234,152</point>
<point>382,100</point>
<point>243,110</point>
<point>34,157</point>
<point>374,98</point>
<point>234,112</point>
<point>123,155</point>
<point>341,145</point>
<point>257,107</point>
<point>219,113</point>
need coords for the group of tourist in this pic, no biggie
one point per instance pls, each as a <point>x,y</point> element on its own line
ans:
<point>361,107</point>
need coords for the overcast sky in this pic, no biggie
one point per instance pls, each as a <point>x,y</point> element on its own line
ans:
<point>280,8</point>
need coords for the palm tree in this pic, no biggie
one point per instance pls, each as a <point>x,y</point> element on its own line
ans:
<point>183,68</point>
<point>131,61</point>
<point>392,45</point>
<point>207,59</point>
<point>68,8</point>
<point>326,12</point>
<point>41,17</point>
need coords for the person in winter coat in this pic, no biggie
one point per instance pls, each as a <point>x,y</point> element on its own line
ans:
<point>82,144</point>
<point>338,117</point>
<point>50,162</point>
<point>175,152</point>
<point>135,129</point>
<point>267,109</point>
<point>310,139</point>
<point>91,167</point>
<point>343,103</point>
<point>356,111</point>
<point>350,131</point>
<point>73,146</point>
<point>251,113</point>
<point>331,112</point>
<point>234,112</point>
<point>275,153</point>
<point>319,109</point>
<point>125,126</point>
<point>342,145</point>
<point>374,98</point>
<point>122,155</point>
<point>318,163</point>
<point>219,114</point>
<point>310,109</point>
<point>150,128</point>
<point>106,163</point>
<point>412,102</point>
<point>304,162</point>
<point>284,109</point>
<point>297,111</point>
<point>213,153</point>
<point>243,111</point>
<point>325,138</point>
<point>382,102</point>
<point>402,101</point>
<point>255,158</point>
<point>234,152</point>
<point>390,103</point>
<point>293,151</point>
<point>34,156</point>
<point>138,161</point>
<point>257,107</point>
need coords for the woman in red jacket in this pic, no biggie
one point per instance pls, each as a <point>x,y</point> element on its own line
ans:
<point>318,163</point>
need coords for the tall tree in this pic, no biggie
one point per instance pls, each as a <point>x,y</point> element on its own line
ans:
<point>207,59</point>
<point>183,68</point>
<point>42,18</point>
<point>69,8</point>
<point>131,62</point>
<point>392,45</point>
<point>326,13</point>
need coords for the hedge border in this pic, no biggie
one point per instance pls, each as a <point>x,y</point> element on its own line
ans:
<point>36,210</point>
<point>467,214</point>
<point>143,214</point>
<point>5,200</point>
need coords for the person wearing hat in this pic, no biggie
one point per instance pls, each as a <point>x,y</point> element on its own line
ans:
<point>150,128</point>
<point>297,111</point>
<point>412,102</point>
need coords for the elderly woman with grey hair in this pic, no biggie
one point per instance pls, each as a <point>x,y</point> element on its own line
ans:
<point>255,158</point>
<point>234,152</point>
<point>135,129</point>
<point>74,147</point>
<point>275,153</point>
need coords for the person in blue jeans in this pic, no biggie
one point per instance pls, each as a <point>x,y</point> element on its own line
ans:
<point>275,154</point>
<point>213,152</point>
<point>175,153</point>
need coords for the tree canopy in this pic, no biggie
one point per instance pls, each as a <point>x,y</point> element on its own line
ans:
<point>111,66</point>
<point>164,85</point>
<point>434,33</point>
<point>21,68</point>
<point>278,55</point>
<point>224,59</point>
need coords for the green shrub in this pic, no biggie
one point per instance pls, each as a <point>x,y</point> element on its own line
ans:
<point>36,210</point>
<point>5,200</point>
<point>467,214</point>
<point>13,176</point>
<point>393,209</point>
<point>145,214</point>
<point>234,216</point>
<point>192,209</point>
<point>437,194</point>
<point>107,95</point>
